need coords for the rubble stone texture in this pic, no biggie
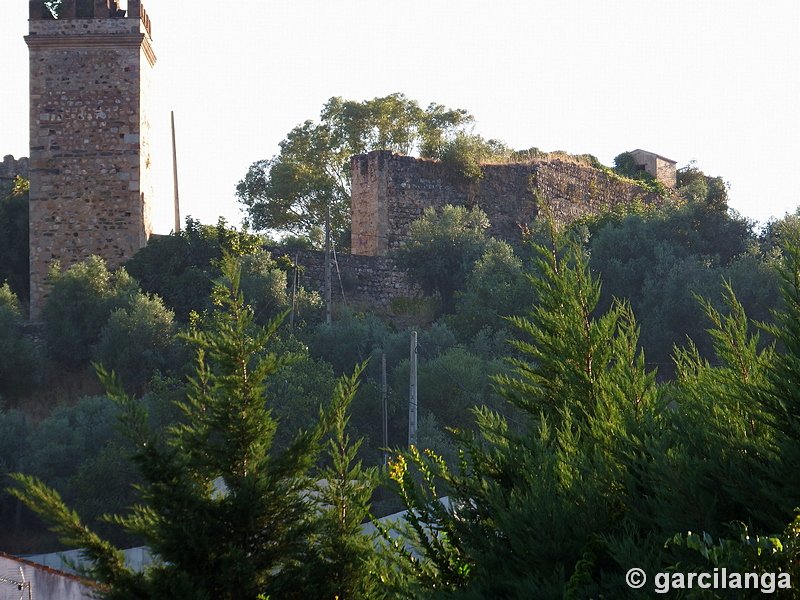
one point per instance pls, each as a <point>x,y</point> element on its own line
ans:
<point>90,175</point>
<point>11,168</point>
<point>390,191</point>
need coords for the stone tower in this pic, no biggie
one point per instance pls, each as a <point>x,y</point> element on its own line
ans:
<point>90,176</point>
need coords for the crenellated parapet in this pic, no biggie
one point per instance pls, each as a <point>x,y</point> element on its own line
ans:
<point>92,9</point>
<point>11,168</point>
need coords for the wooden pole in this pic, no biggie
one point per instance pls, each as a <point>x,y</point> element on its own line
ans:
<point>328,263</point>
<point>294,290</point>
<point>175,175</point>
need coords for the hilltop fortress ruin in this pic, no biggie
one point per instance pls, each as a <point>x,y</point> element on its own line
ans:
<point>389,191</point>
<point>90,167</point>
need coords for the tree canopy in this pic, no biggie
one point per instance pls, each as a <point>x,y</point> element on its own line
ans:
<point>227,515</point>
<point>14,267</point>
<point>442,248</point>
<point>180,267</point>
<point>289,192</point>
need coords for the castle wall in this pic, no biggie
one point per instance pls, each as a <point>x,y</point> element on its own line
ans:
<point>11,168</point>
<point>365,280</point>
<point>89,163</point>
<point>390,191</point>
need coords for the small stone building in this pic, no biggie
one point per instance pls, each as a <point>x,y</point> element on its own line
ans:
<point>660,167</point>
<point>90,176</point>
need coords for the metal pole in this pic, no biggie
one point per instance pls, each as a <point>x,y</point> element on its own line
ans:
<point>175,175</point>
<point>412,393</point>
<point>328,263</point>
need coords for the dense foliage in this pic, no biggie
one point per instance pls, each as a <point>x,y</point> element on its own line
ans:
<point>21,362</point>
<point>442,248</point>
<point>180,267</point>
<point>576,429</point>
<point>609,464</point>
<point>80,301</point>
<point>227,516</point>
<point>14,268</point>
<point>659,261</point>
<point>290,191</point>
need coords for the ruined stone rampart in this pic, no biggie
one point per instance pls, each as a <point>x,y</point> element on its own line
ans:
<point>359,280</point>
<point>390,191</point>
<point>12,168</point>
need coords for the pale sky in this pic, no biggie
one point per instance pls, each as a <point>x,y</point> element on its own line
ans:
<point>711,80</point>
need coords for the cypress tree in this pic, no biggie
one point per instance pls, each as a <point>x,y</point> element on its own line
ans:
<point>531,499</point>
<point>224,515</point>
<point>606,467</point>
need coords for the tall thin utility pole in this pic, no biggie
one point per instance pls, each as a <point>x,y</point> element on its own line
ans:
<point>328,263</point>
<point>412,393</point>
<point>294,290</point>
<point>175,175</point>
<point>385,410</point>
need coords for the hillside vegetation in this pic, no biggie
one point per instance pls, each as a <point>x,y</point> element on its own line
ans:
<point>619,394</point>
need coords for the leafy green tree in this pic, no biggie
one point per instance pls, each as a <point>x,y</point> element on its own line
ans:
<point>78,306</point>
<point>464,153</point>
<point>441,250</point>
<point>290,191</point>
<point>625,164</point>
<point>349,340</point>
<point>450,384</point>
<point>21,362</point>
<point>525,505</point>
<point>297,390</point>
<point>763,392</point>
<point>137,340</point>
<point>264,282</point>
<point>13,445</point>
<point>181,267</point>
<point>696,186</point>
<point>75,450</point>
<point>497,287</point>
<point>607,464</point>
<point>75,444</point>
<point>605,469</point>
<point>14,267</point>
<point>659,259</point>
<point>780,397</point>
<point>348,556</point>
<point>225,515</point>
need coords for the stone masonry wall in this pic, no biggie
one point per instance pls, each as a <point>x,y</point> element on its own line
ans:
<point>90,154</point>
<point>11,168</point>
<point>365,280</point>
<point>390,191</point>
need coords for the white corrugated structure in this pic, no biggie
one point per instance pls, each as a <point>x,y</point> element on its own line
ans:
<point>21,579</point>
<point>135,558</point>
